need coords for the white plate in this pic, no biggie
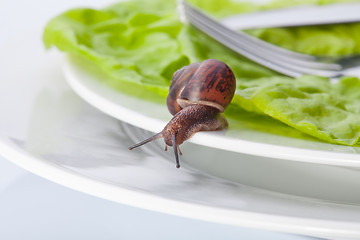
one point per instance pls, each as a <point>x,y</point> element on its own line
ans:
<point>238,138</point>
<point>47,129</point>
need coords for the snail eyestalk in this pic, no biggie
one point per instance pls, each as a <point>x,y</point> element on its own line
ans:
<point>175,146</point>
<point>150,139</point>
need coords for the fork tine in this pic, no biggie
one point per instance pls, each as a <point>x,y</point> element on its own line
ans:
<point>244,51</point>
<point>190,8</point>
<point>271,49</point>
<point>278,52</point>
<point>284,67</point>
<point>263,49</point>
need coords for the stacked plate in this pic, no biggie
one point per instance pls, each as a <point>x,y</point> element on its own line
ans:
<point>241,177</point>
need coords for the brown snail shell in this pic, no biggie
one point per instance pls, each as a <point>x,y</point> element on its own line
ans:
<point>211,82</point>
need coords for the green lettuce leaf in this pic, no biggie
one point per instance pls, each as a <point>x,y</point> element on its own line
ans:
<point>139,44</point>
<point>309,104</point>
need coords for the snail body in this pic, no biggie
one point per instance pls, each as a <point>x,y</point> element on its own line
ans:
<point>198,94</point>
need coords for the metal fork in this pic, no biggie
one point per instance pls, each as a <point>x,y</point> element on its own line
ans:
<point>276,58</point>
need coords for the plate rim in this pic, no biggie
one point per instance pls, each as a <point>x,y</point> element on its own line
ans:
<point>264,221</point>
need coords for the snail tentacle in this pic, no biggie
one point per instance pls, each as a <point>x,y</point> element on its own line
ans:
<point>179,151</point>
<point>175,146</point>
<point>150,139</point>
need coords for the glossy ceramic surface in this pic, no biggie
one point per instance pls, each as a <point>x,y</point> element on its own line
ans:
<point>49,130</point>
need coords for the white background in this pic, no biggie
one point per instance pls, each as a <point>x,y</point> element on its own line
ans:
<point>34,208</point>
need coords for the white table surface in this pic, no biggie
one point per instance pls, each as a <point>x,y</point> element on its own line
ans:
<point>34,208</point>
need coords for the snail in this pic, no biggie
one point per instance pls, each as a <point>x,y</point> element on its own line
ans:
<point>198,94</point>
